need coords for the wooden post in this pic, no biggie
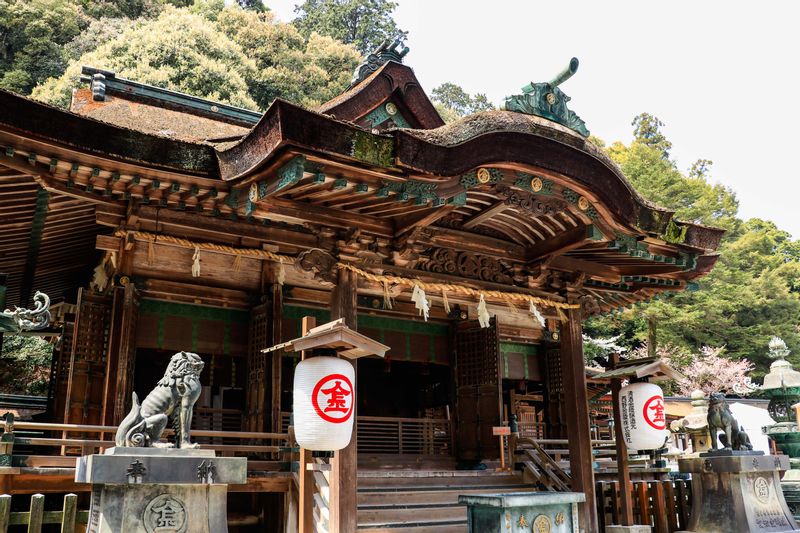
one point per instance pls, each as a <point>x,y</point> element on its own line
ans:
<point>344,480</point>
<point>306,489</point>
<point>577,411</point>
<point>624,476</point>
<point>277,355</point>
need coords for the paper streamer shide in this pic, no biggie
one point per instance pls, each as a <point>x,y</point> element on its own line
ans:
<point>644,422</point>
<point>324,403</point>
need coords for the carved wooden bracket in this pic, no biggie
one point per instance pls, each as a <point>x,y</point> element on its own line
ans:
<point>534,205</point>
<point>320,263</point>
<point>468,265</point>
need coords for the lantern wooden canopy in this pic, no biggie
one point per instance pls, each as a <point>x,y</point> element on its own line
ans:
<point>336,335</point>
<point>653,368</point>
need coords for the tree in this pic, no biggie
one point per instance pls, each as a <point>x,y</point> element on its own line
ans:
<point>178,50</point>
<point>32,38</point>
<point>25,365</point>
<point>227,54</point>
<point>308,72</point>
<point>647,130</point>
<point>363,23</point>
<point>454,102</point>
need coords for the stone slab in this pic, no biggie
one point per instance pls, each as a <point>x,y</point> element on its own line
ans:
<point>629,529</point>
<point>161,452</point>
<point>163,469</point>
<point>738,494</point>
<point>523,512</point>
<point>158,508</point>
<point>730,453</point>
<point>735,463</point>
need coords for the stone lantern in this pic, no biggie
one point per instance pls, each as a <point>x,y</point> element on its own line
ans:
<point>695,424</point>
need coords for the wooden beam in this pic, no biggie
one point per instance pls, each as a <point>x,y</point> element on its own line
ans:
<point>344,478</point>
<point>301,213</point>
<point>473,242</point>
<point>485,215</point>
<point>409,222</point>
<point>562,242</point>
<point>581,460</point>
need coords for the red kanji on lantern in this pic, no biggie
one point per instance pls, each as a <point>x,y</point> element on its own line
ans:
<point>654,412</point>
<point>337,398</point>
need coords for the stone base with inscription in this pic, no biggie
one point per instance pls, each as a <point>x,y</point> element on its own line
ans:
<point>156,490</point>
<point>738,492</point>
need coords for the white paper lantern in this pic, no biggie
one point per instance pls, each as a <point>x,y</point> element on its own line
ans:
<point>324,403</point>
<point>644,421</point>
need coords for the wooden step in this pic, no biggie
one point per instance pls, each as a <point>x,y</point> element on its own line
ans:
<point>412,516</point>
<point>425,497</point>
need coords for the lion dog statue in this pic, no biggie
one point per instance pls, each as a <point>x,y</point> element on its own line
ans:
<point>720,418</point>
<point>174,396</point>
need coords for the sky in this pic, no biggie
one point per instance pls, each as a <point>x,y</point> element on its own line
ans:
<point>723,77</point>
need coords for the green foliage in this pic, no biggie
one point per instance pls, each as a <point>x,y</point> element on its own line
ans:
<point>286,65</point>
<point>32,38</point>
<point>178,50</point>
<point>229,54</point>
<point>363,23</point>
<point>25,365</point>
<point>658,179</point>
<point>454,102</point>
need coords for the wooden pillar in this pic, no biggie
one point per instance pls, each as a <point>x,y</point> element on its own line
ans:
<point>305,490</point>
<point>276,302</point>
<point>3,288</point>
<point>577,411</point>
<point>344,480</point>
<point>624,475</point>
<point>121,356</point>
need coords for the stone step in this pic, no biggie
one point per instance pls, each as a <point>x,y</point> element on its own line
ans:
<point>412,516</point>
<point>410,498</point>
<point>459,527</point>
<point>442,479</point>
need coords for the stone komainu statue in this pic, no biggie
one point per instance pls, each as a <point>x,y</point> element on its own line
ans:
<point>175,396</point>
<point>720,418</point>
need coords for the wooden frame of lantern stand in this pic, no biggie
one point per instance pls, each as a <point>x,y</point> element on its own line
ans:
<point>653,369</point>
<point>347,343</point>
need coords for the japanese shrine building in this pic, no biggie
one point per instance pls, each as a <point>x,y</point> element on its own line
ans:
<point>175,223</point>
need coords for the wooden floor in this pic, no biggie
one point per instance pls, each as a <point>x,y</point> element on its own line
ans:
<point>416,501</point>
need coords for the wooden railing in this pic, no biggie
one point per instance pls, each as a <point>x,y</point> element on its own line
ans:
<point>664,505</point>
<point>68,517</point>
<point>399,436</point>
<point>404,436</point>
<point>59,444</point>
<point>539,466</point>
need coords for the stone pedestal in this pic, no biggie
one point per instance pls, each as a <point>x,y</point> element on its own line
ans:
<point>738,492</point>
<point>523,512</point>
<point>156,490</point>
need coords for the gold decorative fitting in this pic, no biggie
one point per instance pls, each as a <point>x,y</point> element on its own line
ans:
<point>536,184</point>
<point>560,518</point>
<point>124,280</point>
<point>214,108</point>
<point>583,203</point>
<point>555,335</point>
<point>484,175</point>
<point>253,193</point>
<point>391,108</point>
<point>541,524</point>
<point>522,522</point>
<point>551,98</point>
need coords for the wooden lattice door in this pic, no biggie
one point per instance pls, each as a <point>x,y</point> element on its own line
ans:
<point>554,397</point>
<point>87,367</point>
<point>258,372</point>
<point>478,391</point>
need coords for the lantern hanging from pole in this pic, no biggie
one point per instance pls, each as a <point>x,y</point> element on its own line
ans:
<point>644,422</point>
<point>324,403</point>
